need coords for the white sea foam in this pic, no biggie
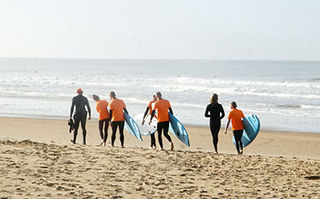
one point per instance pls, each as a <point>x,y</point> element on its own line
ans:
<point>284,94</point>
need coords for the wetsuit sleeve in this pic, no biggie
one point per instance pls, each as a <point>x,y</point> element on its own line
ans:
<point>206,114</point>
<point>170,109</point>
<point>146,112</point>
<point>152,114</point>
<point>88,107</point>
<point>110,113</point>
<point>222,112</point>
<point>125,110</point>
<point>72,107</point>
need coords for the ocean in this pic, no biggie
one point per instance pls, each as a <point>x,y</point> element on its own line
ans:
<point>284,94</point>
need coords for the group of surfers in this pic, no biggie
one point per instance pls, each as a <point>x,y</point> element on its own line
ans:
<point>113,114</point>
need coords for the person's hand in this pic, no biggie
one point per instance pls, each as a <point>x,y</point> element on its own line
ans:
<point>143,122</point>
<point>89,118</point>
<point>225,132</point>
<point>150,122</point>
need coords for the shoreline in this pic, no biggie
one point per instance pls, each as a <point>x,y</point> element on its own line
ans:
<point>62,118</point>
<point>268,143</point>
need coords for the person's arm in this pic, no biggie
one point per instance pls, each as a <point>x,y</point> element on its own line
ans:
<point>206,114</point>
<point>228,123</point>
<point>110,115</point>
<point>126,111</point>
<point>72,108</point>
<point>89,109</point>
<point>170,110</point>
<point>222,113</point>
<point>152,115</point>
<point>145,114</point>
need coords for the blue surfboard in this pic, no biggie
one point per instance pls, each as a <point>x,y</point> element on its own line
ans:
<point>132,126</point>
<point>178,130</point>
<point>251,129</point>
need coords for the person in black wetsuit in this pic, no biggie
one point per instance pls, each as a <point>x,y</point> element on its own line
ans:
<point>80,115</point>
<point>215,111</point>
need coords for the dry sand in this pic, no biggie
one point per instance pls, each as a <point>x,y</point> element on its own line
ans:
<point>275,165</point>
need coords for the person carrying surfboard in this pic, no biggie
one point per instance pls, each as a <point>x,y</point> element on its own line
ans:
<point>215,111</point>
<point>162,106</point>
<point>102,109</point>
<point>149,110</point>
<point>116,107</point>
<point>80,103</point>
<point>236,116</point>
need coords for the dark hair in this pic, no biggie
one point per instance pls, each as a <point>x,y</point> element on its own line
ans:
<point>214,98</point>
<point>234,104</point>
<point>95,97</point>
<point>112,94</point>
<point>158,94</point>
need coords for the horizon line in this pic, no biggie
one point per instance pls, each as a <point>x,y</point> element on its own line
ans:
<point>166,59</point>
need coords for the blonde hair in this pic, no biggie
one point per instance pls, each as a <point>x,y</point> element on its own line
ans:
<point>214,98</point>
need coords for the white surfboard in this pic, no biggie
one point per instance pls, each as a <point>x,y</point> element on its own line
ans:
<point>146,129</point>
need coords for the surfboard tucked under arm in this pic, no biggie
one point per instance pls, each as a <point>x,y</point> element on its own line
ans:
<point>251,129</point>
<point>132,127</point>
<point>178,130</point>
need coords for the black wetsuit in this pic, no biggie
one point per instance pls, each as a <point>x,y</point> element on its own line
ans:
<point>114,126</point>
<point>162,126</point>
<point>216,113</point>
<point>165,127</point>
<point>80,115</point>
<point>152,136</point>
<point>237,136</point>
<point>104,131</point>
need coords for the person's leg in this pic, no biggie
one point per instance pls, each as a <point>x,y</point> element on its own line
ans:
<point>153,140</point>
<point>240,142</point>
<point>83,126</point>
<point>236,137</point>
<point>159,129</point>
<point>121,127</point>
<point>165,133</point>
<point>213,134</point>
<point>106,126</point>
<point>76,127</point>
<point>216,136</point>
<point>100,129</point>
<point>114,130</point>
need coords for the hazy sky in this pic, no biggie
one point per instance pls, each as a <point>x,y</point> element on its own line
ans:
<point>174,29</point>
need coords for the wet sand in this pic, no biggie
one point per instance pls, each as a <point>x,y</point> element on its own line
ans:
<point>47,165</point>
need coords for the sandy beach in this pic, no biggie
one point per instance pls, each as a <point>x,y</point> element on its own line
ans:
<point>38,161</point>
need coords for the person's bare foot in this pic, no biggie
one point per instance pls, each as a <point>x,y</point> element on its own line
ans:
<point>216,153</point>
<point>73,142</point>
<point>172,147</point>
<point>100,143</point>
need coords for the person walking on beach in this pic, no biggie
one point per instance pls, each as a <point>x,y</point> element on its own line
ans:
<point>162,106</point>
<point>149,110</point>
<point>236,117</point>
<point>102,109</point>
<point>215,111</point>
<point>117,106</point>
<point>80,116</point>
